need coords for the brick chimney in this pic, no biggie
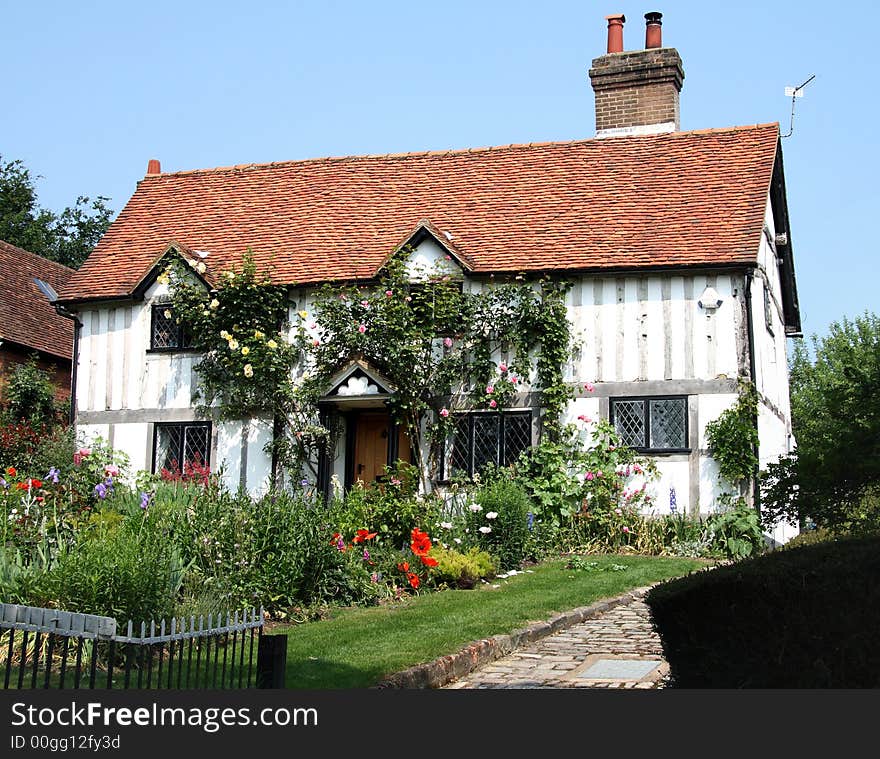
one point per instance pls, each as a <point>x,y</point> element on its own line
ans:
<point>637,91</point>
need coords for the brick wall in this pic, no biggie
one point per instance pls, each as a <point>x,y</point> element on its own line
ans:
<point>637,88</point>
<point>12,355</point>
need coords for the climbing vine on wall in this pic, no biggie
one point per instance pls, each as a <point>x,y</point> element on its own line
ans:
<point>441,347</point>
<point>733,438</point>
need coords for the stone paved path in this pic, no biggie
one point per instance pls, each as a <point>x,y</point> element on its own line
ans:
<point>616,649</point>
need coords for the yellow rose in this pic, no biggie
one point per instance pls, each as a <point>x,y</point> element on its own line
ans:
<point>304,314</point>
<point>233,345</point>
<point>245,351</point>
<point>201,268</point>
<point>215,303</point>
<point>272,344</point>
<point>166,313</point>
<point>225,335</point>
<point>258,335</point>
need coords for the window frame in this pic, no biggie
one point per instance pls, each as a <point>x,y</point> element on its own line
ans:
<point>182,336</point>
<point>646,416</point>
<point>157,426</point>
<point>446,460</point>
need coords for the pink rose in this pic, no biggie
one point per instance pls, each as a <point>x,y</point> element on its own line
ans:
<point>489,389</point>
<point>589,387</point>
<point>588,476</point>
<point>493,403</point>
<point>502,367</point>
<point>444,412</point>
<point>447,342</point>
<point>362,328</point>
<point>388,293</point>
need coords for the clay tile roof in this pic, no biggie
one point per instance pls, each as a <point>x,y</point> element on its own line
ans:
<point>677,199</point>
<point>26,317</point>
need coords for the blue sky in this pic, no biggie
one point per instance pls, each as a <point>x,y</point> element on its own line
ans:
<point>95,89</point>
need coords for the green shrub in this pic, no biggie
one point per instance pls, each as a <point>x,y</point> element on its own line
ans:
<point>126,571</point>
<point>30,395</point>
<point>504,507</point>
<point>804,617</point>
<point>812,537</point>
<point>737,531</point>
<point>461,570</point>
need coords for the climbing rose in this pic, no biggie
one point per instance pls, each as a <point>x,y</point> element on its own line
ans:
<point>248,370</point>
<point>214,303</point>
<point>444,412</point>
<point>502,367</point>
<point>493,403</point>
<point>489,389</point>
<point>362,328</point>
<point>447,342</point>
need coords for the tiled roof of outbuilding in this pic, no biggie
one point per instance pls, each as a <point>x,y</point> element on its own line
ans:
<point>26,317</point>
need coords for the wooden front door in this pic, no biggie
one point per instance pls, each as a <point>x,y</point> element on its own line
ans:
<point>371,453</point>
<point>371,446</point>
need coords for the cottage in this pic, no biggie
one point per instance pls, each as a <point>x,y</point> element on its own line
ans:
<point>29,325</point>
<point>677,245</point>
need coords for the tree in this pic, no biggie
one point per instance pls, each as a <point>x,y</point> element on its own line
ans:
<point>834,475</point>
<point>67,238</point>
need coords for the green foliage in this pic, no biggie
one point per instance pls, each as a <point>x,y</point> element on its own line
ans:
<point>504,511</point>
<point>584,469</point>
<point>737,530</point>
<point>30,395</point>
<point>391,510</point>
<point>836,423</point>
<point>733,438</point>
<point>800,618</point>
<point>126,571</point>
<point>461,570</point>
<point>67,238</point>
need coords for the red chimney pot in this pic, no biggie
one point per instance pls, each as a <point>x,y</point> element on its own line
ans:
<point>653,29</point>
<point>615,32</point>
<point>153,167</point>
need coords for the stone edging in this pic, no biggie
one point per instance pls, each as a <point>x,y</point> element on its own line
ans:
<point>446,669</point>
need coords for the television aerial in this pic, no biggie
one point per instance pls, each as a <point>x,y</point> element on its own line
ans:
<point>794,93</point>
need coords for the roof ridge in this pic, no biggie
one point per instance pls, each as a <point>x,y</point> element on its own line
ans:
<point>455,151</point>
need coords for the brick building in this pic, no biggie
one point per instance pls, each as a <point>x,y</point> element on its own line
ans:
<point>29,324</point>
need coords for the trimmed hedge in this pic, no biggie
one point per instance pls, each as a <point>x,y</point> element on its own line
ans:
<point>805,617</point>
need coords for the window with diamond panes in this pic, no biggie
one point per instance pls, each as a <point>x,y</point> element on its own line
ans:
<point>651,424</point>
<point>177,445</point>
<point>165,333</point>
<point>483,438</point>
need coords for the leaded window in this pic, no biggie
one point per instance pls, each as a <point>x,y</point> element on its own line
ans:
<point>481,438</point>
<point>180,448</point>
<point>166,334</point>
<point>651,424</point>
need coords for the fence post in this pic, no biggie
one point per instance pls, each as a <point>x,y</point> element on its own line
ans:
<point>271,661</point>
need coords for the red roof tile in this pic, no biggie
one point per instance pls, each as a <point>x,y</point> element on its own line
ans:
<point>25,314</point>
<point>677,199</point>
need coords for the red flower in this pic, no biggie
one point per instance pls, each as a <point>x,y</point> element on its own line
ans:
<point>429,561</point>
<point>27,485</point>
<point>363,535</point>
<point>421,543</point>
<point>403,566</point>
<point>413,580</point>
<point>11,471</point>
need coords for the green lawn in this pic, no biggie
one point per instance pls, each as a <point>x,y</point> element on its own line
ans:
<point>358,647</point>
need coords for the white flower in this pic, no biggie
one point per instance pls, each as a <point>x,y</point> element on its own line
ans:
<point>475,507</point>
<point>492,515</point>
<point>233,345</point>
<point>446,525</point>
<point>248,370</point>
<point>485,529</point>
<point>214,303</point>
<point>166,313</point>
<point>456,540</point>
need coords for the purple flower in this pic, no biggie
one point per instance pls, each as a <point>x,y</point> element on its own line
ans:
<point>3,483</point>
<point>145,500</point>
<point>101,490</point>
<point>53,474</point>
<point>366,555</point>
